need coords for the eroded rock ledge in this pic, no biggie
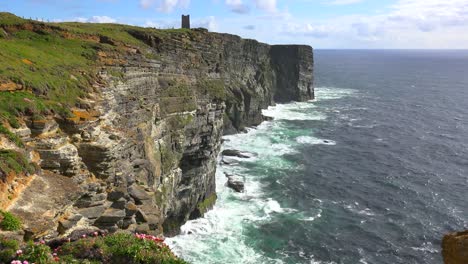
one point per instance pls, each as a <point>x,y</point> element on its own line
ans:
<point>140,152</point>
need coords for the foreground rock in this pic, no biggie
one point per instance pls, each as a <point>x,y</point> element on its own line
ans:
<point>455,248</point>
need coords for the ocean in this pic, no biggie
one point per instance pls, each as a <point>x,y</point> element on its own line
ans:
<point>374,170</point>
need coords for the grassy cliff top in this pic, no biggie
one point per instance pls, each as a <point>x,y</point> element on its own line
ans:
<point>46,67</point>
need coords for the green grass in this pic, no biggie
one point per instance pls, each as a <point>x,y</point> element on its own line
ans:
<point>120,248</point>
<point>10,222</point>
<point>9,19</point>
<point>115,248</point>
<point>58,62</point>
<point>213,88</point>
<point>12,137</point>
<point>8,248</point>
<point>13,161</point>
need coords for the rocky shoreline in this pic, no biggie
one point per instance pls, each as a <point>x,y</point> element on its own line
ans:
<point>138,152</point>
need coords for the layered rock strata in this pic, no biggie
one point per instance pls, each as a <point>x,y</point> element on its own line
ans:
<point>140,152</point>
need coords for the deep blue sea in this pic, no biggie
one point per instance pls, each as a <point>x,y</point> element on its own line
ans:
<point>375,170</point>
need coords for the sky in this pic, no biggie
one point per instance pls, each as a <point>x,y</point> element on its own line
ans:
<point>323,24</point>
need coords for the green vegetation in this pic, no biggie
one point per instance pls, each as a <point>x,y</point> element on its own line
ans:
<point>119,248</point>
<point>13,161</point>
<point>177,97</point>
<point>168,158</point>
<point>213,88</point>
<point>116,248</point>
<point>206,204</point>
<point>9,222</point>
<point>8,19</point>
<point>8,248</point>
<point>58,62</point>
<point>36,253</point>
<point>11,136</point>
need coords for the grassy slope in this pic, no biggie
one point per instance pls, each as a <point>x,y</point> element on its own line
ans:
<point>46,67</point>
<point>56,63</point>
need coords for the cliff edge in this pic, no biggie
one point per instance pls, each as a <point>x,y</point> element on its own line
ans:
<point>118,127</point>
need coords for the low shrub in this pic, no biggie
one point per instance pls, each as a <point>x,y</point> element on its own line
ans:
<point>10,222</point>
<point>8,249</point>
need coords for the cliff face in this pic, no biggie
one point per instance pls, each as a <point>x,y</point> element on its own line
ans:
<point>139,152</point>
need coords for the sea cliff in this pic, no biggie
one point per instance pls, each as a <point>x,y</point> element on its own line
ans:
<point>116,127</point>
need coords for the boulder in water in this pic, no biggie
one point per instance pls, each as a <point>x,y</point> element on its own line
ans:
<point>236,153</point>
<point>235,183</point>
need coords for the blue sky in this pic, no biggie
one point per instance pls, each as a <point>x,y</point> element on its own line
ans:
<point>321,23</point>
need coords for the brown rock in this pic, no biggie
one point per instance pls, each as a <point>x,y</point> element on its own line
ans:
<point>455,248</point>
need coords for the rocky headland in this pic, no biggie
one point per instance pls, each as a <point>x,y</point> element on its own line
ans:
<point>118,128</point>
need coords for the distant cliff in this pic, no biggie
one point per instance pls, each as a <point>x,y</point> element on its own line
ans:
<point>118,127</point>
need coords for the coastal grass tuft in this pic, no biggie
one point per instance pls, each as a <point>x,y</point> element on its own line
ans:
<point>9,222</point>
<point>8,248</point>
<point>11,136</point>
<point>13,161</point>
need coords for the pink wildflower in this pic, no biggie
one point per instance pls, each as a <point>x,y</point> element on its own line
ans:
<point>83,236</point>
<point>19,252</point>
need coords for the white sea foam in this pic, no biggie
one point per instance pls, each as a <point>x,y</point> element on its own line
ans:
<point>294,111</point>
<point>314,141</point>
<point>220,236</point>
<point>426,247</point>
<point>312,218</point>
<point>331,93</point>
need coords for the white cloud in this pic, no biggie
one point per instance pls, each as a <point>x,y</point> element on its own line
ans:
<point>428,15</point>
<point>165,6</point>
<point>146,3</point>
<point>93,19</point>
<point>405,24</point>
<point>101,19</point>
<point>266,5</point>
<point>237,6</point>
<point>345,2</point>
<point>310,30</point>
<point>209,22</point>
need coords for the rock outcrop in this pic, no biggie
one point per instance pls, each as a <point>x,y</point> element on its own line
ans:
<point>455,248</point>
<point>140,150</point>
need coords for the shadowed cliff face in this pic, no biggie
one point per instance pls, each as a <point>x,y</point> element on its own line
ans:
<point>142,146</point>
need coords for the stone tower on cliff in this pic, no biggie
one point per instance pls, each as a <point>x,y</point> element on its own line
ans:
<point>186,21</point>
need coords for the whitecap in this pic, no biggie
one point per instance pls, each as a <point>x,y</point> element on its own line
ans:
<point>272,206</point>
<point>426,247</point>
<point>294,111</point>
<point>314,141</point>
<point>311,218</point>
<point>331,93</point>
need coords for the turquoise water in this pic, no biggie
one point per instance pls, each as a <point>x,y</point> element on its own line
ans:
<point>373,171</point>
